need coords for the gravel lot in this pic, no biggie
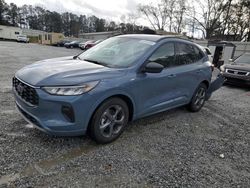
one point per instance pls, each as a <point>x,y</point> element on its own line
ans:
<point>177,148</point>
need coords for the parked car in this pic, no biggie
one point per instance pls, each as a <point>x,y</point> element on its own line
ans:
<point>82,44</point>
<point>122,79</point>
<point>22,38</point>
<point>238,73</point>
<point>91,44</point>
<point>73,44</point>
<point>61,43</point>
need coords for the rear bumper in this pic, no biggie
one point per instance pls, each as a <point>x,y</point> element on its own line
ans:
<point>215,85</point>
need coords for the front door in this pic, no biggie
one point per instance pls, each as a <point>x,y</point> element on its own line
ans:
<point>158,91</point>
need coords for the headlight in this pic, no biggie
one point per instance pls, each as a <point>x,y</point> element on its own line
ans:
<point>71,90</point>
<point>222,68</point>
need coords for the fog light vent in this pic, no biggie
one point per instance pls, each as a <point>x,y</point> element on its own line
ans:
<point>68,113</point>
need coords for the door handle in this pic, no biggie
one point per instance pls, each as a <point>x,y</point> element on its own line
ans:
<point>199,71</point>
<point>171,75</point>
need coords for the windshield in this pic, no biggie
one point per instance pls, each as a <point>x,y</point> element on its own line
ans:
<point>245,58</point>
<point>117,51</point>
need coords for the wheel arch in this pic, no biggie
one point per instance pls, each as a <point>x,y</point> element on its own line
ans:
<point>124,97</point>
<point>206,83</point>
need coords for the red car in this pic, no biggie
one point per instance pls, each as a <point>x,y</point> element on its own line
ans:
<point>90,44</point>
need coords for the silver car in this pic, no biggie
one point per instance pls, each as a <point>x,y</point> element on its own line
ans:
<point>23,38</point>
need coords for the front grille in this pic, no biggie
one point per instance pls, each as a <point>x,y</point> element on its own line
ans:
<point>26,92</point>
<point>237,72</point>
<point>236,81</point>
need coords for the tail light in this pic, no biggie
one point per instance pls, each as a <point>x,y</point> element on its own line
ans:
<point>212,67</point>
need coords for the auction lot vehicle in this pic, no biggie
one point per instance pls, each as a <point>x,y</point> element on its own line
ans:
<point>238,73</point>
<point>22,38</point>
<point>73,44</point>
<point>82,44</point>
<point>61,43</point>
<point>89,45</point>
<point>119,80</point>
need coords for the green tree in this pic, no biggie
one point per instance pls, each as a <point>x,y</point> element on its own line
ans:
<point>3,10</point>
<point>13,14</point>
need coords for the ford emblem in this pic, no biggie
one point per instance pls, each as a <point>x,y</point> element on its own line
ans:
<point>20,88</point>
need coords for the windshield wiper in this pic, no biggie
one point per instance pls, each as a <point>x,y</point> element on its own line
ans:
<point>96,62</point>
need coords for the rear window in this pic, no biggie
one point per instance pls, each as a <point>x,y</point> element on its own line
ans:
<point>208,51</point>
<point>188,53</point>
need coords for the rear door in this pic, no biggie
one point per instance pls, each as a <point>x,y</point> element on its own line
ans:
<point>190,70</point>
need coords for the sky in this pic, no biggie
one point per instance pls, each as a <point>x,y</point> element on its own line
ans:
<point>111,10</point>
<point>108,9</point>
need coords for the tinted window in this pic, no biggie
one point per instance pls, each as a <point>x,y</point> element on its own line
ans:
<point>164,55</point>
<point>208,51</point>
<point>188,54</point>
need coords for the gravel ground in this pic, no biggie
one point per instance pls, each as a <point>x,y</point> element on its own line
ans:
<point>177,148</point>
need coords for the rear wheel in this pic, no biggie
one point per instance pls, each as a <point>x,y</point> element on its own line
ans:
<point>109,121</point>
<point>198,99</point>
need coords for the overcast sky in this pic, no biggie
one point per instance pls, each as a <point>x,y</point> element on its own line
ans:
<point>108,9</point>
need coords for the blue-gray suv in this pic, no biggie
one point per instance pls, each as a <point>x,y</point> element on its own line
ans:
<point>119,80</point>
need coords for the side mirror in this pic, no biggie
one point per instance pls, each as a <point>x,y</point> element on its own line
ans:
<point>153,68</point>
<point>231,60</point>
<point>75,57</point>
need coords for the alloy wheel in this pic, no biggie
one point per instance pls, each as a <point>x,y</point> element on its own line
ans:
<point>200,97</point>
<point>112,121</point>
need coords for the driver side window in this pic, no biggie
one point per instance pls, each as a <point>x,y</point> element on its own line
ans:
<point>164,55</point>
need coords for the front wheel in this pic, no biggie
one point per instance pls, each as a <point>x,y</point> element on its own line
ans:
<point>109,121</point>
<point>198,99</point>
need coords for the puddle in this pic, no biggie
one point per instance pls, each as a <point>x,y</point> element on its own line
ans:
<point>6,89</point>
<point>43,167</point>
<point>9,112</point>
<point>16,134</point>
<point>8,178</point>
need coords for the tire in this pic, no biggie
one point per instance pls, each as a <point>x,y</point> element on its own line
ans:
<point>109,121</point>
<point>198,99</point>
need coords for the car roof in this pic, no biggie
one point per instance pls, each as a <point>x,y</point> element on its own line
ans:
<point>153,38</point>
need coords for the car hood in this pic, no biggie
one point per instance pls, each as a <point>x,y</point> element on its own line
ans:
<point>239,66</point>
<point>65,71</point>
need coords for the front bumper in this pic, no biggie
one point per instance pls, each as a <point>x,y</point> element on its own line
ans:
<point>48,116</point>
<point>236,79</point>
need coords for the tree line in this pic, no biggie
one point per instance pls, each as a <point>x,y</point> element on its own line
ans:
<point>224,19</point>
<point>39,18</point>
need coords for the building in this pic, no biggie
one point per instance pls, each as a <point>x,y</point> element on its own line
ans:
<point>50,38</point>
<point>9,32</point>
<point>99,35</point>
<point>228,50</point>
<point>35,36</point>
